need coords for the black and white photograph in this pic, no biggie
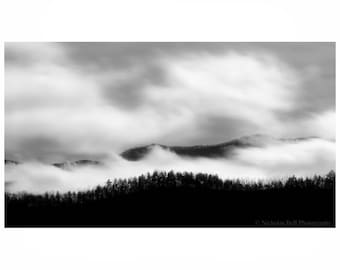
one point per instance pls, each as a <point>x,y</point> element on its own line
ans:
<point>170,134</point>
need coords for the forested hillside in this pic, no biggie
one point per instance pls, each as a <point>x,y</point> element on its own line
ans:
<point>181,199</point>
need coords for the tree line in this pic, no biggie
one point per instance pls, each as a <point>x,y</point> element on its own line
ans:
<point>179,198</point>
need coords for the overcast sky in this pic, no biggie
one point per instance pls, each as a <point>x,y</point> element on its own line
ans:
<point>68,101</point>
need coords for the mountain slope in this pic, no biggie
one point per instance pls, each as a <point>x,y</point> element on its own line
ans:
<point>11,162</point>
<point>209,151</point>
<point>225,149</point>
<point>78,163</point>
<point>62,165</point>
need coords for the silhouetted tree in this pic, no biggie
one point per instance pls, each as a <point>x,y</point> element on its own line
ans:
<point>179,198</point>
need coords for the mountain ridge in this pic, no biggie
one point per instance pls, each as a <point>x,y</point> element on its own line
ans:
<point>224,149</point>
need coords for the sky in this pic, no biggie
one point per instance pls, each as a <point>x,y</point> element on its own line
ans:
<point>66,101</point>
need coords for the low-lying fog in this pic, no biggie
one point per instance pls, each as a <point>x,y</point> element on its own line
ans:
<point>277,161</point>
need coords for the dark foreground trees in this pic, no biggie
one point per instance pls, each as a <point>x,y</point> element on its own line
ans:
<point>181,199</point>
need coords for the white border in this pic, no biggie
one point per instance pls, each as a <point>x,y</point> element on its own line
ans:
<point>170,20</point>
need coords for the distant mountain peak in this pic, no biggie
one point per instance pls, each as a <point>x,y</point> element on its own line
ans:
<point>63,165</point>
<point>210,151</point>
<point>225,149</point>
<point>77,163</point>
<point>11,162</point>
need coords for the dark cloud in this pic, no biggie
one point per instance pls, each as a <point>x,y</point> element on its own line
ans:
<point>315,64</point>
<point>315,61</point>
<point>213,129</point>
<point>123,55</point>
<point>37,148</point>
<point>17,57</point>
<point>28,54</point>
<point>48,150</point>
<point>128,93</point>
<point>222,128</point>
<point>141,61</point>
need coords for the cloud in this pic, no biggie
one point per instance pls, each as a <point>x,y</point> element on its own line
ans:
<point>299,158</point>
<point>251,88</point>
<point>322,124</point>
<point>29,54</point>
<point>84,100</point>
<point>276,161</point>
<point>314,62</point>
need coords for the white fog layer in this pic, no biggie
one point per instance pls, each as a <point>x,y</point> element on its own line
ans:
<point>274,162</point>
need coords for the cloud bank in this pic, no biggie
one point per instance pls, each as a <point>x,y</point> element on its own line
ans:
<point>276,162</point>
